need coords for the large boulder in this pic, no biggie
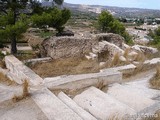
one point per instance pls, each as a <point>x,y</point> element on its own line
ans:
<point>108,50</point>
<point>65,47</point>
<point>111,38</point>
<point>145,49</point>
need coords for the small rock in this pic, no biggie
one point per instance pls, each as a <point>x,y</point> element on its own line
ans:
<point>122,58</point>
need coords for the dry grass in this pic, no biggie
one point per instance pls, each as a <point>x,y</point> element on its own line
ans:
<point>103,56</point>
<point>100,85</point>
<point>156,116</point>
<point>66,67</point>
<point>5,80</point>
<point>24,94</point>
<point>2,64</point>
<point>126,53</point>
<point>115,60</point>
<point>137,70</point>
<point>140,57</point>
<point>116,117</point>
<point>155,81</point>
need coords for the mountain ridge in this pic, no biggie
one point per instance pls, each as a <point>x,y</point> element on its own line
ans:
<point>117,11</point>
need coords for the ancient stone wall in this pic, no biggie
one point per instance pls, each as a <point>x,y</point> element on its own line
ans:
<point>111,38</point>
<point>19,72</point>
<point>65,47</point>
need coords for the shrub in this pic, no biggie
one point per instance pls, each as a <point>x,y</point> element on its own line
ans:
<point>107,23</point>
<point>155,81</point>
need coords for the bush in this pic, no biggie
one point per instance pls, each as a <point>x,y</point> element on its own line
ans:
<point>155,81</point>
<point>156,37</point>
<point>107,23</point>
<point>52,17</point>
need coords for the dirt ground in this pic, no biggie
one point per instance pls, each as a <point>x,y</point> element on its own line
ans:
<point>68,66</point>
<point>23,110</point>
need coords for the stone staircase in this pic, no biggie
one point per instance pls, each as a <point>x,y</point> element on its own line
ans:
<point>121,100</point>
<point>93,104</point>
<point>52,106</point>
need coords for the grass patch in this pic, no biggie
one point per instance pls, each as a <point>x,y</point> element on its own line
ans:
<point>25,55</point>
<point>156,116</point>
<point>5,80</point>
<point>68,66</point>
<point>103,56</point>
<point>116,60</point>
<point>155,81</point>
<point>45,34</point>
<point>140,57</point>
<point>126,53</point>
<point>24,94</point>
<point>2,64</point>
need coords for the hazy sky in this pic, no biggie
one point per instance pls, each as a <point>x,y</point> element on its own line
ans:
<point>152,4</point>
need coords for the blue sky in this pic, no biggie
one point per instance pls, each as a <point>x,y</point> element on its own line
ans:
<point>152,4</point>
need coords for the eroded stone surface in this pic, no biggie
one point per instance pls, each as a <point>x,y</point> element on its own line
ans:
<point>8,92</point>
<point>71,104</point>
<point>22,72</point>
<point>65,47</point>
<point>53,107</point>
<point>84,80</point>
<point>129,97</point>
<point>25,109</point>
<point>101,105</point>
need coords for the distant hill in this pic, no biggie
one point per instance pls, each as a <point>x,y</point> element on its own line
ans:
<point>116,11</point>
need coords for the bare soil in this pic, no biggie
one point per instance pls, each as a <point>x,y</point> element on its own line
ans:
<point>69,66</point>
<point>25,109</point>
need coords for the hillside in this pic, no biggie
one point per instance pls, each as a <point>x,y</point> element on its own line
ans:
<point>116,11</point>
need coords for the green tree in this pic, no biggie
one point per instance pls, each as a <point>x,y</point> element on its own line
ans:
<point>107,23</point>
<point>156,37</point>
<point>11,24</point>
<point>13,18</point>
<point>104,21</point>
<point>52,17</point>
<point>59,2</point>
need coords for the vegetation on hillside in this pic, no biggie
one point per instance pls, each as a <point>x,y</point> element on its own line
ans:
<point>156,37</point>
<point>15,18</point>
<point>52,17</point>
<point>12,20</point>
<point>155,81</point>
<point>107,23</point>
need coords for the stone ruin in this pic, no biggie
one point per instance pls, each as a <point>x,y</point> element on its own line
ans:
<point>94,96</point>
<point>92,48</point>
<point>81,97</point>
<point>64,47</point>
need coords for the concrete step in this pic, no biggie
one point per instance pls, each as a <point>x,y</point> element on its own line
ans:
<point>14,78</point>
<point>71,104</point>
<point>130,97</point>
<point>53,107</point>
<point>8,92</point>
<point>151,109</point>
<point>142,86</point>
<point>101,105</point>
<point>145,91</point>
<point>22,72</point>
<point>5,95</point>
<point>75,82</point>
<point>95,49</point>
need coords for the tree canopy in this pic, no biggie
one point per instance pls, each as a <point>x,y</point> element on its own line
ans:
<point>14,18</point>
<point>156,37</point>
<point>12,21</point>
<point>52,17</point>
<point>107,23</point>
